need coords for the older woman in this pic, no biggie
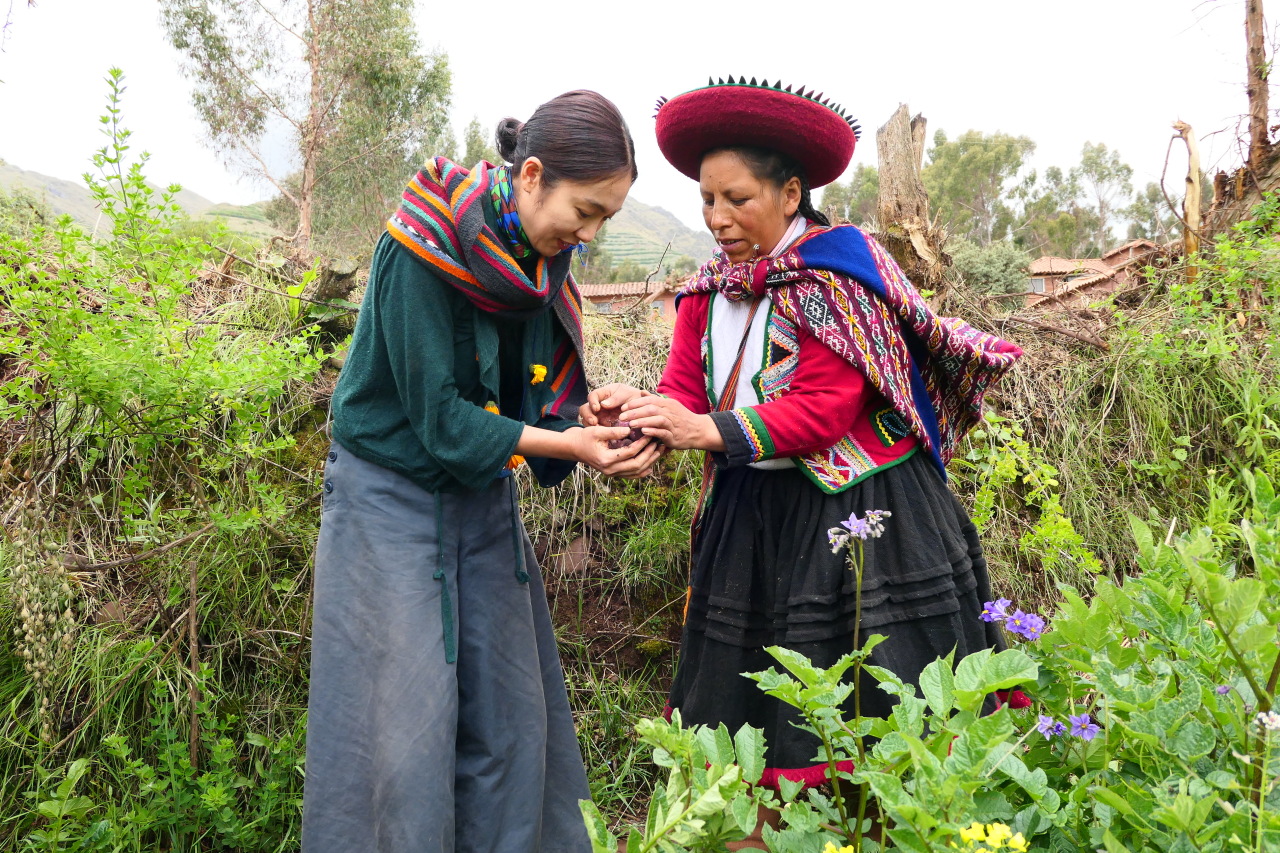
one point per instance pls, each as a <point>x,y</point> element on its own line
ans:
<point>822,386</point>
<point>438,718</point>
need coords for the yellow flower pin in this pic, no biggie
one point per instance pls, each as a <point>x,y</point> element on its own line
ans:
<point>539,372</point>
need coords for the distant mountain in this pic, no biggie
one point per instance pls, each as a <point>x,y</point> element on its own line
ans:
<point>640,232</point>
<point>73,198</point>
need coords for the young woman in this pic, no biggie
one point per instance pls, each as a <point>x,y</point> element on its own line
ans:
<point>438,718</point>
<point>822,386</point>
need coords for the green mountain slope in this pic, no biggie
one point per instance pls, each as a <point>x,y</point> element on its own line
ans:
<point>640,232</point>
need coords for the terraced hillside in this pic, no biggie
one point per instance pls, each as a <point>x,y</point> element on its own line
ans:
<point>640,232</point>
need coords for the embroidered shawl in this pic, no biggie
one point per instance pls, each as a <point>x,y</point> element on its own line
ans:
<point>441,222</point>
<point>842,287</point>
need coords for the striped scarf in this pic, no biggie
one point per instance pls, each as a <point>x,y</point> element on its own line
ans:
<point>441,222</point>
<point>842,287</point>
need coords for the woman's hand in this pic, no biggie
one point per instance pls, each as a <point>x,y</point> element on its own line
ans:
<point>591,447</point>
<point>604,404</point>
<point>670,422</point>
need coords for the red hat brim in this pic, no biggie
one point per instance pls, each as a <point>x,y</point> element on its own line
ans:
<point>696,122</point>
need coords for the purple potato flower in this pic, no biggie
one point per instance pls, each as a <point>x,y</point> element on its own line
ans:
<point>998,609</point>
<point>1029,625</point>
<point>1082,727</point>
<point>1049,727</point>
<point>1222,689</point>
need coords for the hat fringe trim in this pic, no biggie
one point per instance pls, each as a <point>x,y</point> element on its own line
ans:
<point>819,99</point>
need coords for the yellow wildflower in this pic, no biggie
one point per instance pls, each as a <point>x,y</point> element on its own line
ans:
<point>997,833</point>
<point>831,848</point>
<point>976,832</point>
<point>1018,843</point>
<point>539,372</point>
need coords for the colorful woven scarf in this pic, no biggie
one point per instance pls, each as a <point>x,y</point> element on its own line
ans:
<point>441,222</point>
<point>842,287</point>
<point>504,205</point>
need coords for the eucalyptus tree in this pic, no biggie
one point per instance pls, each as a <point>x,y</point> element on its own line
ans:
<point>970,178</point>
<point>340,88</point>
<point>1150,217</point>
<point>477,145</point>
<point>854,201</point>
<point>1108,180</point>
<point>1051,216</point>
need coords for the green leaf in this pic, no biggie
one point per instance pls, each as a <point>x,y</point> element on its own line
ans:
<point>1256,637</point>
<point>1112,799</point>
<point>982,673</point>
<point>602,841</point>
<point>743,810</point>
<point>73,807</point>
<point>908,715</point>
<point>724,745</point>
<point>937,683</point>
<point>789,788</point>
<point>797,664</point>
<point>976,744</point>
<point>1242,602</point>
<point>749,745</point>
<point>1192,740</point>
<point>1112,844</point>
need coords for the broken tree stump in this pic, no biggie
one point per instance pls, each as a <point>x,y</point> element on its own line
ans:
<point>1190,199</point>
<point>902,207</point>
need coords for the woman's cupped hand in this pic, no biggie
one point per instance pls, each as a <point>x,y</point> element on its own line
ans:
<point>604,404</point>
<point>631,461</point>
<point>669,422</point>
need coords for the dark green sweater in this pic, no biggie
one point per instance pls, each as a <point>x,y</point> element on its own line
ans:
<point>423,364</point>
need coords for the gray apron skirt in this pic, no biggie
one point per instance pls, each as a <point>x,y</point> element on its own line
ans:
<point>438,719</point>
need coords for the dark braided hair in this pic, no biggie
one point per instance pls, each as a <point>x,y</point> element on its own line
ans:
<point>774,167</point>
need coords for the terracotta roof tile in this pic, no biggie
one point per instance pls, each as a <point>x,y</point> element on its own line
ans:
<point>622,288</point>
<point>1065,266</point>
<point>1127,248</point>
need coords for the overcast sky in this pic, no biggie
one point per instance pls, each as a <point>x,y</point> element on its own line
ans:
<point>1062,73</point>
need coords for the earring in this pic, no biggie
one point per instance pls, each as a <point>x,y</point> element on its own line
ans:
<point>755,250</point>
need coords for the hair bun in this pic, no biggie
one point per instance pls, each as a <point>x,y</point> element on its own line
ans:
<point>506,136</point>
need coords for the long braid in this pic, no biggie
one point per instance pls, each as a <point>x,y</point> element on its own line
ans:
<point>807,209</point>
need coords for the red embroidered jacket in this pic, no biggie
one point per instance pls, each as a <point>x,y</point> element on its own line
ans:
<point>818,408</point>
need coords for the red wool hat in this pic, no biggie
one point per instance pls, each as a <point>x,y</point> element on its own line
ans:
<point>818,134</point>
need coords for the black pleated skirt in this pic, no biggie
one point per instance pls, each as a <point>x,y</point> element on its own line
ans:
<point>764,575</point>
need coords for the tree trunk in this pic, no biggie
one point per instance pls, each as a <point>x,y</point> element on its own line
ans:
<point>309,142</point>
<point>902,207</point>
<point>1256,57</point>
<point>1237,194</point>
